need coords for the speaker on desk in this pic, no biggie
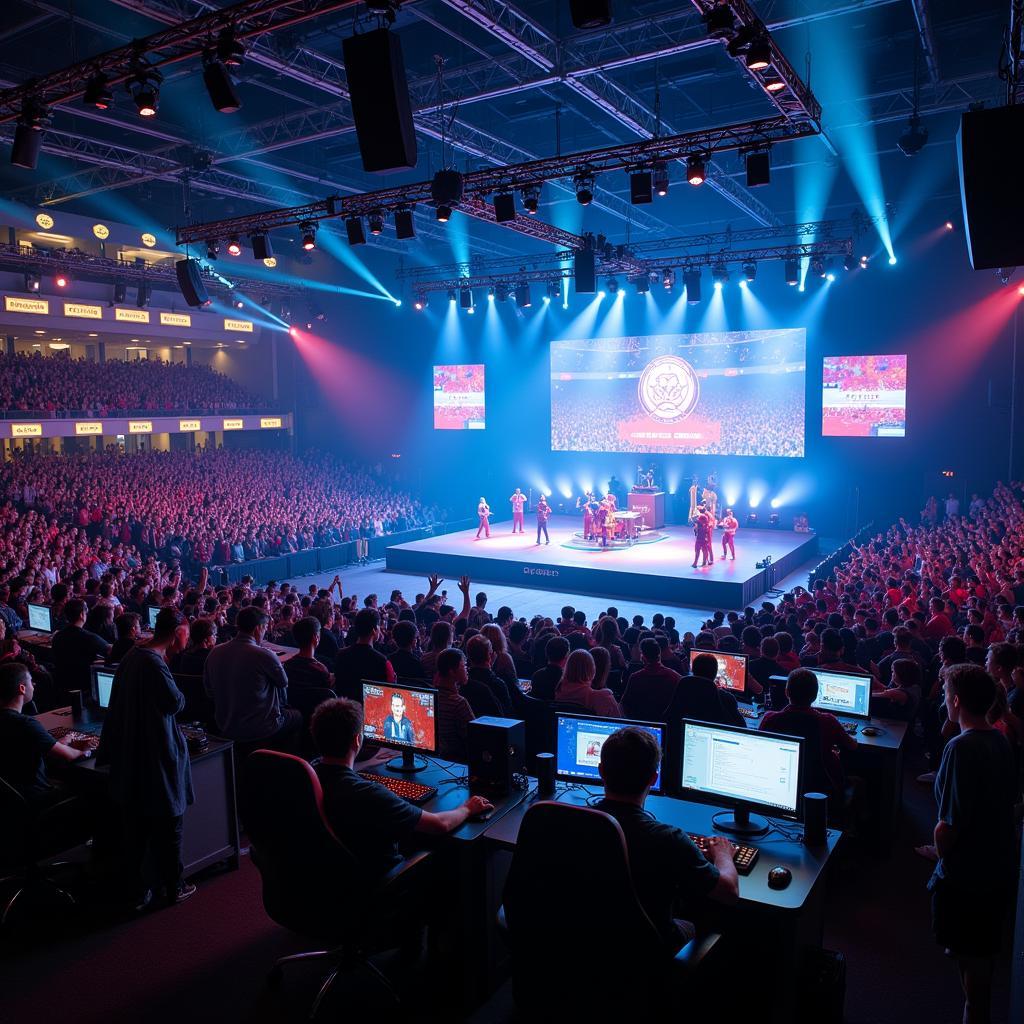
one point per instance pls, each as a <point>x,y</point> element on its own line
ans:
<point>380,100</point>
<point>545,776</point>
<point>989,187</point>
<point>497,751</point>
<point>815,819</point>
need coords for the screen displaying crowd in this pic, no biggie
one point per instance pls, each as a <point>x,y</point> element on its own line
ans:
<point>864,396</point>
<point>459,397</point>
<point>732,393</point>
<point>49,385</point>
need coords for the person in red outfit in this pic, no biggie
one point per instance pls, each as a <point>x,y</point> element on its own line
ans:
<point>518,500</point>
<point>483,510</point>
<point>730,524</point>
<point>702,538</point>
<point>589,507</point>
<point>543,515</point>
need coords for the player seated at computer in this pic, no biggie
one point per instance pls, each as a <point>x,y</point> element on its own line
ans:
<point>697,697</point>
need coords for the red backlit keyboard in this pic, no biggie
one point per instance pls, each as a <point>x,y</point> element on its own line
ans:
<point>748,712</point>
<point>414,792</point>
<point>744,857</point>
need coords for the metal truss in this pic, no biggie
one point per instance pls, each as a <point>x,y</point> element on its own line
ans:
<point>926,39</point>
<point>482,276</point>
<point>179,42</point>
<point>489,180</point>
<point>86,266</point>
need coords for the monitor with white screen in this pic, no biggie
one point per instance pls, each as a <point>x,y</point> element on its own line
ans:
<point>152,611</point>
<point>742,769</point>
<point>403,717</point>
<point>732,669</point>
<point>102,684</point>
<point>843,693</point>
<point>39,618</point>
<point>579,743</point>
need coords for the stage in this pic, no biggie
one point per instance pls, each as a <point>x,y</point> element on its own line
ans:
<point>658,571</point>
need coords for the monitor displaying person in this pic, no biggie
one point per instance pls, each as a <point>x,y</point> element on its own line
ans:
<point>732,670</point>
<point>579,743</point>
<point>400,716</point>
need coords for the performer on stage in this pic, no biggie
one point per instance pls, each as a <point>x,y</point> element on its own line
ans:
<point>483,510</point>
<point>693,500</point>
<point>518,501</point>
<point>543,515</point>
<point>605,521</point>
<point>730,524</point>
<point>702,538</point>
<point>588,505</point>
<point>709,497</point>
<point>612,500</point>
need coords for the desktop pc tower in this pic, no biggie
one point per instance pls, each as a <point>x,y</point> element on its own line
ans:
<point>497,752</point>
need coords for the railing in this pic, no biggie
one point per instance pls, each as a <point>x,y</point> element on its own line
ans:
<point>72,414</point>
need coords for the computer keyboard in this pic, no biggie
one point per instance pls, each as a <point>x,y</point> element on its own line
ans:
<point>414,792</point>
<point>65,734</point>
<point>744,857</point>
<point>748,712</point>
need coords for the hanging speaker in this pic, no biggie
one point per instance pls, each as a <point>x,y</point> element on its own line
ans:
<point>583,272</point>
<point>190,281</point>
<point>380,101</point>
<point>992,197</point>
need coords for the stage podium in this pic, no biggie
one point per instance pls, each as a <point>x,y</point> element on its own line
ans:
<point>651,506</point>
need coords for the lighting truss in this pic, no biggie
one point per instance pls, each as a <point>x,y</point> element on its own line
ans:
<point>481,183</point>
<point>176,43</point>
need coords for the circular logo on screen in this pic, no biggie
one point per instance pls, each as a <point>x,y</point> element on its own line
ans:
<point>101,231</point>
<point>44,220</point>
<point>149,240</point>
<point>668,389</point>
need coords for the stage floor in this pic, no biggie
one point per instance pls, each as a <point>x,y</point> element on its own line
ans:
<point>652,572</point>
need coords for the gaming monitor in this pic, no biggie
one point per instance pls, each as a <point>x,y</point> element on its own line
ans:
<point>152,611</point>
<point>102,684</point>
<point>744,769</point>
<point>579,742</point>
<point>732,670</point>
<point>403,717</point>
<point>843,693</point>
<point>39,618</point>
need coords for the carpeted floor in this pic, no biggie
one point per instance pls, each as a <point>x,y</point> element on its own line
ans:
<point>207,959</point>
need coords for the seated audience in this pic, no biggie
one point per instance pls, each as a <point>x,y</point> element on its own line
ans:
<point>698,698</point>
<point>480,656</point>
<point>303,669</point>
<point>202,638</point>
<point>360,660</point>
<point>403,658</point>
<point>651,689</point>
<point>453,710</point>
<point>75,649</point>
<point>544,681</point>
<point>576,687</point>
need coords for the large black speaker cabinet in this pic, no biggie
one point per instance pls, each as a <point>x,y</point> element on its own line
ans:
<point>380,101</point>
<point>583,272</point>
<point>987,146</point>
<point>191,283</point>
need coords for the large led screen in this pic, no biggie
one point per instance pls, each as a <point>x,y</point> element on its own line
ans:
<point>864,396</point>
<point>459,397</point>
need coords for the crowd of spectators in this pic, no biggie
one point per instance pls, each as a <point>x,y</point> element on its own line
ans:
<point>52,385</point>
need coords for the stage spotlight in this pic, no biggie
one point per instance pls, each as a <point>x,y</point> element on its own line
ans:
<point>451,296</point>
<point>62,279</point>
<point>308,229</point>
<point>773,519</point>
<point>720,275</point>
<point>446,191</point>
<point>692,281</point>
<point>293,332</point>
<point>220,87</point>
<point>749,271</point>
<point>546,299</point>
<point>584,184</point>
<point>914,138</point>
<point>531,199</point>
<point>849,261</point>
<point>443,214</point>
<point>775,85</point>
<point>752,521</point>
<point>668,278</point>
<point>892,261</point>
<point>601,294</point>
<point>759,55</point>
<point>830,277</point>
<point>792,269</point>
<point>490,293</point>
<point>142,294</point>
<point>261,247</point>
<point>471,310</point>
<point>523,300</point>
<point>642,283</point>
<point>661,179</point>
<point>504,207</point>
<point>864,260</point>
<point>230,51</point>
<point>376,222</point>
<point>720,22</point>
<point>612,284</point>
<point>404,226</point>
<point>98,93</point>
<point>234,247</point>
<point>695,169</point>
<point>818,267</point>
<point>554,289</point>
<point>420,302</point>
<point>640,188</point>
<point>759,170</point>
<point>212,250</point>
<point>239,304</point>
<point>465,298</point>
<point>354,230</point>
<point>120,291</point>
<point>144,87</point>
<point>949,225</point>
<point>502,290</point>
<point>32,280</point>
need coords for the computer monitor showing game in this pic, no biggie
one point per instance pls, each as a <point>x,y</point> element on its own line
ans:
<point>744,769</point>
<point>39,618</point>
<point>579,743</point>
<point>102,684</point>
<point>152,611</point>
<point>403,717</point>
<point>732,670</point>
<point>843,693</point>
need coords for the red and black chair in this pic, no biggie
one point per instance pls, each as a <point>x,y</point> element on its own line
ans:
<point>312,884</point>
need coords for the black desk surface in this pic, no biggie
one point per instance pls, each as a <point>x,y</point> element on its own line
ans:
<point>805,864</point>
<point>891,733</point>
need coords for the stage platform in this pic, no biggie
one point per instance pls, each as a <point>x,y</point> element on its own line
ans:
<point>650,572</point>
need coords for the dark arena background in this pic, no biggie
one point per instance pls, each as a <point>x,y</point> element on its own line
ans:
<point>444,439</point>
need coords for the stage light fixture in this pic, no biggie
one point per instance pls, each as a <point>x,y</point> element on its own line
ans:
<point>691,279</point>
<point>661,179</point>
<point>792,270</point>
<point>308,229</point>
<point>641,188</point>
<point>849,262</point>
<point>443,214</point>
<point>144,88</point>
<point>531,199</point>
<point>668,278</point>
<point>120,291</point>
<point>465,298</point>
<point>818,267</point>
<point>864,260</point>
<point>354,230</point>
<point>420,302</point>
<point>451,296</point>
<point>504,207</point>
<point>98,93</point>
<point>720,275</point>
<point>28,134</point>
<point>773,519</point>
<point>234,247</point>
<point>750,271</point>
<point>759,168</point>
<point>490,293</point>
<point>446,188</point>
<point>642,283</point>
<point>546,299</point>
<point>774,84</point>
<point>62,279</point>
<point>32,280</point>
<point>759,55</point>
<point>502,291</point>
<point>142,294</point>
<point>404,226</point>
<point>261,247</point>
<point>752,521</point>
<point>375,220</point>
<point>914,138</point>
<point>220,87</point>
<point>829,276</point>
<point>239,304</point>
<point>230,51</point>
<point>523,299</point>
<point>471,310</point>
<point>949,225</point>
<point>584,185</point>
<point>695,169</point>
<point>892,261</point>
<point>612,284</point>
<point>720,22</point>
<point>212,250</point>
<point>554,289</point>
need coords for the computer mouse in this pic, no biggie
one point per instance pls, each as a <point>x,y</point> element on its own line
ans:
<point>870,730</point>
<point>779,878</point>
<point>482,816</point>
